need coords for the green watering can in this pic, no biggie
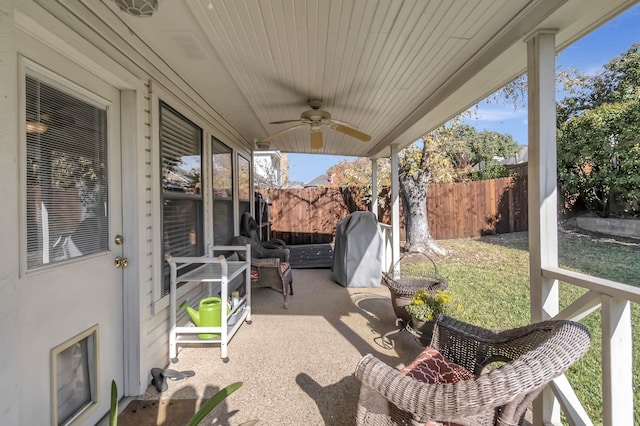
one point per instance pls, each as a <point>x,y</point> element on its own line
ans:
<point>207,315</point>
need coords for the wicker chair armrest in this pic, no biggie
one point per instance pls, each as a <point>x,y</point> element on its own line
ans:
<point>259,251</point>
<point>280,253</point>
<point>274,243</point>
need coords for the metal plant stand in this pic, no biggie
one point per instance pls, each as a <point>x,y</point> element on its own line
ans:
<point>403,325</point>
<point>402,289</point>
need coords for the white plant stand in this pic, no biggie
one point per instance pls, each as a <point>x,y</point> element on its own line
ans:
<point>217,272</point>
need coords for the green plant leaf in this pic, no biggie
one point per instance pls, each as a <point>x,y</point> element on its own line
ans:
<point>113,413</point>
<point>213,403</point>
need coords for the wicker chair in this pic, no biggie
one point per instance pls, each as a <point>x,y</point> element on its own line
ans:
<point>269,267</point>
<point>534,355</point>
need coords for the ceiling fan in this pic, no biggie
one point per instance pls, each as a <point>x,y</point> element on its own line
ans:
<point>315,118</point>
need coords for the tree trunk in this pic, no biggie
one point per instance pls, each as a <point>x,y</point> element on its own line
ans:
<point>413,192</point>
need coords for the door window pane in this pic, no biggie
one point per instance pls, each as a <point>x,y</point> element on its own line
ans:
<point>66,174</point>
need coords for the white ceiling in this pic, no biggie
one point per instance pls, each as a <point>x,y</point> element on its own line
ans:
<point>395,69</point>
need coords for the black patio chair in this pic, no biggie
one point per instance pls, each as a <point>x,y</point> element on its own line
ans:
<point>249,229</point>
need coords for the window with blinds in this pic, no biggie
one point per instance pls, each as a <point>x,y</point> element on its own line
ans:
<point>182,205</point>
<point>66,175</point>
<point>222,178</point>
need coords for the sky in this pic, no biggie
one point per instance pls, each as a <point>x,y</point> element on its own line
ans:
<point>586,55</point>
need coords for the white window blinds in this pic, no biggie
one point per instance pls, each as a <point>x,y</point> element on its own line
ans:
<point>182,223</point>
<point>66,174</point>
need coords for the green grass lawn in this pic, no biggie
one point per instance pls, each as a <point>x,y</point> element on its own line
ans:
<point>489,276</point>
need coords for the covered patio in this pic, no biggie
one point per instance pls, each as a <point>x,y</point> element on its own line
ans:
<point>183,98</point>
<point>322,336</point>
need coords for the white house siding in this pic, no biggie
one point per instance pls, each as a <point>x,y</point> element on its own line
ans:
<point>138,68</point>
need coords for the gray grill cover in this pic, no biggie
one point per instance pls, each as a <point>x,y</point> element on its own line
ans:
<point>357,255</point>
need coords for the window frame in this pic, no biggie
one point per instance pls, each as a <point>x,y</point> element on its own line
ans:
<point>29,68</point>
<point>166,195</point>
<point>158,96</point>
<point>160,301</point>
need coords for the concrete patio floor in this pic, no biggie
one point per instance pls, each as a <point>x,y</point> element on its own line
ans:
<point>297,364</point>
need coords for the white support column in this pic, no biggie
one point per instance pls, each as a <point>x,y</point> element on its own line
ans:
<point>617,386</point>
<point>395,208</point>
<point>543,231</point>
<point>543,205</point>
<point>374,186</point>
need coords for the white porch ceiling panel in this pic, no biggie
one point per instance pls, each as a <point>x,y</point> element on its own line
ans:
<point>370,62</point>
<point>395,69</point>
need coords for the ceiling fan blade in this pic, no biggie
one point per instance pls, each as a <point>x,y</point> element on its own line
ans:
<point>350,131</point>
<point>286,121</point>
<point>333,121</point>
<point>316,139</point>
<point>282,132</point>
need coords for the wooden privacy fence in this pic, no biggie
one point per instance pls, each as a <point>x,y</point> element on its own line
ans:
<point>457,210</point>
<point>309,215</point>
<point>496,206</point>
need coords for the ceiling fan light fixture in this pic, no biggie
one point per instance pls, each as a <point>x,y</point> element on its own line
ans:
<point>316,138</point>
<point>140,8</point>
<point>315,118</point>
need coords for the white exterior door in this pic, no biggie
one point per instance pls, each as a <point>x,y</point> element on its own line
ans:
<point>71,290</point>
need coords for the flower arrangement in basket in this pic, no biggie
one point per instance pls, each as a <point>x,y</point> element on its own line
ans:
<point>427,306</point>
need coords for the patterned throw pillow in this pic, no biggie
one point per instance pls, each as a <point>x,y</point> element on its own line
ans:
<point>432,367</point>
